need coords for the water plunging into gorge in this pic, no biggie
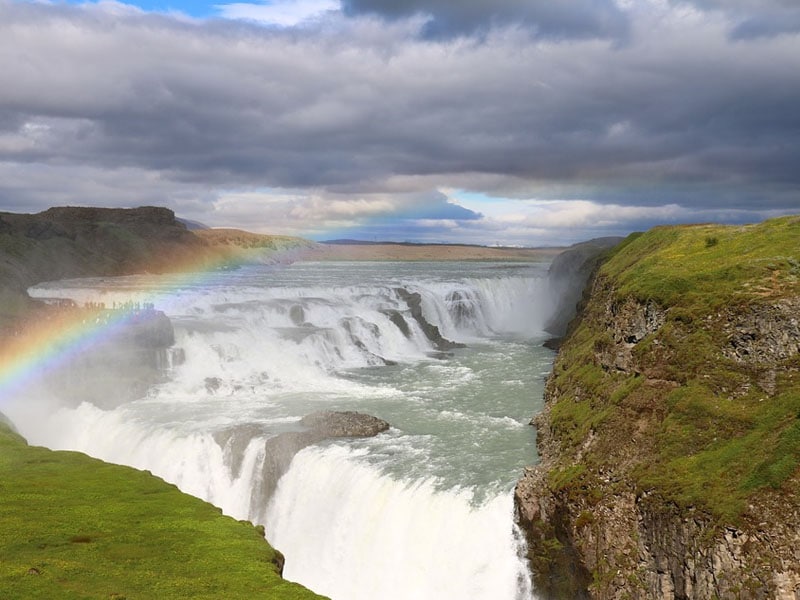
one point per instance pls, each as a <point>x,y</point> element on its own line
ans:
<point>423,510</point>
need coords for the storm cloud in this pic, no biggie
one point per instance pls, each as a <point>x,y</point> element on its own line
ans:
<point>445,18</point>
<point>376,113</point>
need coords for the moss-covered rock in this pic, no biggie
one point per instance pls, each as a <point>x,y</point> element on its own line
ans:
<point>670,440</point>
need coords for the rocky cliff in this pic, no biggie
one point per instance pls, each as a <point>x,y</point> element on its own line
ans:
<point>670,440</point>
<point>77,241</point>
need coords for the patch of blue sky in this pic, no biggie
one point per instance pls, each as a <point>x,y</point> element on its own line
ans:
<point>186,7</point>
<point>490,206</point>
<point>270,12</point>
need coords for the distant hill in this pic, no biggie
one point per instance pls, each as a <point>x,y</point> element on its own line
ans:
<point>67,242</point>
<point>192,225</point>
<point>350,242</point>
<point>355,250</point>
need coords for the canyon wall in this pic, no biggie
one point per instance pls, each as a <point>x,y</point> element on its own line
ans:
<point>670,440</point>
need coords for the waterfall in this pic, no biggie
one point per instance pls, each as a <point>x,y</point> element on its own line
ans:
<point>372,536</point>
<point>424,511</point>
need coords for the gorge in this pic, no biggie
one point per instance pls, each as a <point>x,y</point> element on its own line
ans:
<point>445,352</point>
<point>667,439</point>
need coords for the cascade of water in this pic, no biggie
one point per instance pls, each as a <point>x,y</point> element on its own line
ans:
<point>257,357</point>
<point>351,532</point>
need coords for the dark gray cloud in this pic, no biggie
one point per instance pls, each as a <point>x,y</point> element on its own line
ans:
<point>103,105</point>
<point>548,19</point>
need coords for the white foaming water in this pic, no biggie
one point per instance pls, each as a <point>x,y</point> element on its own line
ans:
<point>395,540</point>
<point>193,461</point>
<point>484,307</point>
<point>423,511</point>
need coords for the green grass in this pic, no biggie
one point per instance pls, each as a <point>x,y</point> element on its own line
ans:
<point>75,527</point>
<point>716,452</point>
<point>706,434</point>
<point>678,265</point>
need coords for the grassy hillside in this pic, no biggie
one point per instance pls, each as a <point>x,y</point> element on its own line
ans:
<point>75,527</point>
<point>245,240</point>
<point>705,406</point>
<point>704,267</point>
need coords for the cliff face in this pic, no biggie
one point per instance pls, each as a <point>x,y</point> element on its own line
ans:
<point>76,241</point>
<point>670,441</point>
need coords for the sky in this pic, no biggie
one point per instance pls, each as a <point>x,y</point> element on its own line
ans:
<point>512,122</point>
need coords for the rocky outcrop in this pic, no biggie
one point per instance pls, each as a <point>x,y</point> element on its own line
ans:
<point>645,399</point>
<point>762,334</point>
<point>341,424</point>
<point>627,323</point>
<point>414,302</point>
<point>280,449</point>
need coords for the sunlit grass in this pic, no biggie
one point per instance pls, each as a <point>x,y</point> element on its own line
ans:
<point>677,266</point>
<point>75,527</point>
<point>707,434</point>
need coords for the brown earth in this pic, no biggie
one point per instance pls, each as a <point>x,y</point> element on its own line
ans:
<point>426,252</point>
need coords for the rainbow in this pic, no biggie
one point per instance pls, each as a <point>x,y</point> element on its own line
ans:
<point>58,336</point>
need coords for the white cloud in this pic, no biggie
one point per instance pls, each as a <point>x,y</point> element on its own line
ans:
<point>296,212</point>
<point>586,214</point>
<point>285,13</point>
